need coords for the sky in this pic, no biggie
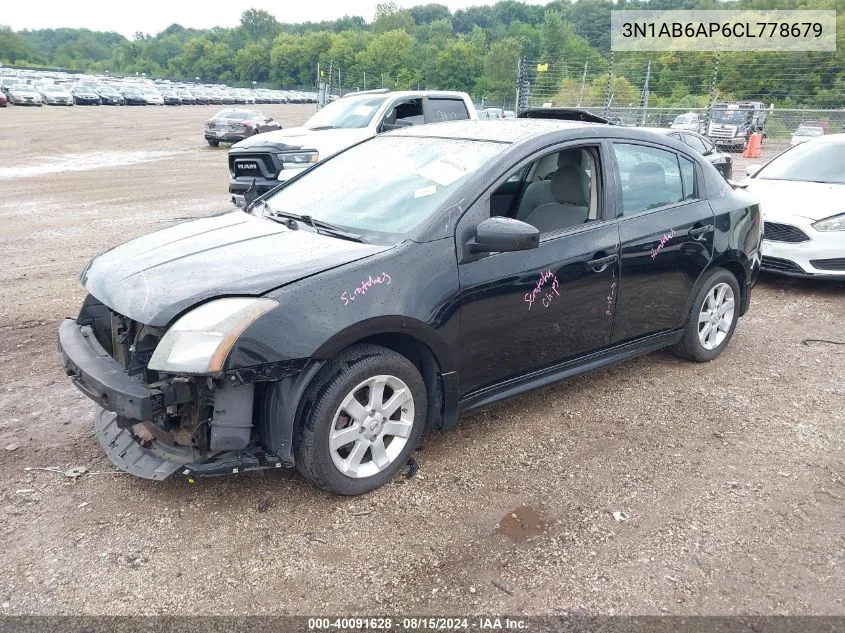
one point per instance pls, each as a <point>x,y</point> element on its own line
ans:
<point>152,16</point>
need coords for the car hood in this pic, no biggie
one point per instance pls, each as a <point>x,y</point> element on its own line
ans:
<point>326,142</point>
<point>26,93</point>
<point>156,277</point>
<point>786,198</point>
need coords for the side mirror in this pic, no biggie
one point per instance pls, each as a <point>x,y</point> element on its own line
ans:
<point>396,125</point>
<point>499,234</point>
<point>752,169</point>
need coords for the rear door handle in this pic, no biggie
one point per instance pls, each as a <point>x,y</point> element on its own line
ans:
<point>600,265</point>
<point>701,232</point>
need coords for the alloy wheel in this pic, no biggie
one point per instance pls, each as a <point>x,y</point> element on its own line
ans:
<point>716,316</point>
<point>371,426</point>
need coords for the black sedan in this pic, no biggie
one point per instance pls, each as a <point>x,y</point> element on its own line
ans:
<point>704,146</point>
<point>85,95</point>
<point>233,125</point>
<point>403,282</point>
<point>134,96</point>
<point>110,96</point>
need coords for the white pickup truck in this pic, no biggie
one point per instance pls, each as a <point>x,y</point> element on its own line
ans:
<point>258,163</point>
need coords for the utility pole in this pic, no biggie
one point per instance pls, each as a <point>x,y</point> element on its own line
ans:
<point>339,82</point>
<point>644,95</point>
<point>583,83</point>
<point>365,80</point>
<point>609,94</point>
<point>709,115</point>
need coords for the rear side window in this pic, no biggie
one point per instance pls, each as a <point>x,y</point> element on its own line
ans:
<point>448,110</point>
<point>650,178</point>
<point>688,178</point>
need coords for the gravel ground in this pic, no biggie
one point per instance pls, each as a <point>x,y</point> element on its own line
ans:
<point>730,475</point>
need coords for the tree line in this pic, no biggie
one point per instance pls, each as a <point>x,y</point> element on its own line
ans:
<point>474,49</point>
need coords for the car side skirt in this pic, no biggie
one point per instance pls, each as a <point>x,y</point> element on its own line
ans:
<point>582,365</point>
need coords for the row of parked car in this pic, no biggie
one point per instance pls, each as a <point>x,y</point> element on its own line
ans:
<point>37,89</point>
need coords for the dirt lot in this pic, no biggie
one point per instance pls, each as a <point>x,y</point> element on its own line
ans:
<point>731,474</point>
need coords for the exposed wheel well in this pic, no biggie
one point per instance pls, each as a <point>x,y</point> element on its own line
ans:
<point>426,363</point>
<point>738,271</point>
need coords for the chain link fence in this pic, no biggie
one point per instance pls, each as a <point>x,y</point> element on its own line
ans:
<point>633,90</point>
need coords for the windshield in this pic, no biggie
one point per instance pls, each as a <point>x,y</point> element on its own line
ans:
<point>816,161</point>
<point>686,118</point>
<point>21,87</point>
<point>385,186</point>
<point>352,112</point>
<point>809,130</point>
<point>730,116</point>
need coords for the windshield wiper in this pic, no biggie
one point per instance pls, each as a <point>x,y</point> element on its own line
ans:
<point>319,225</point>
<point>323,127</point>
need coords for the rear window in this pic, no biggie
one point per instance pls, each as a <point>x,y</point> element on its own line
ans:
<point>448,109</point>
<point>240,115</point>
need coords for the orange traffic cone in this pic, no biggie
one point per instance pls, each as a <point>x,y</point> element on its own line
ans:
<point>753,150</point>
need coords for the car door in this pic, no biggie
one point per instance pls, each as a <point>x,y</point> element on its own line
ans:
<point>666,230</point>
<point>522,311</point>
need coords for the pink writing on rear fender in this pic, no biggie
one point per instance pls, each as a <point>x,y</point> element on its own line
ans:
<point>361,290</point>
<point>663,240</point>
<point>548,294</point>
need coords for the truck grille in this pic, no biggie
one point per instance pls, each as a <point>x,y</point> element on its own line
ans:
<point>252,165</point>
<point>776,232</point>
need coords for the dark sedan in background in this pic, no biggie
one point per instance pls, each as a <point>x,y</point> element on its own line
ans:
<point>233,125</point>
<point>133,96</point>
<point>110,96</point>
<point>720,160</point>
<point>85,95</point>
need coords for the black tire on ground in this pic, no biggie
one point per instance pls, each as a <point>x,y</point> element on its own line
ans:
<point>331,386</point>
<point>690,347</point>
<point>213,143</point>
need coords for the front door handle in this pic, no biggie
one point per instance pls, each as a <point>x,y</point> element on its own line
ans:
<point>701,232</point>
<point>600,265</point>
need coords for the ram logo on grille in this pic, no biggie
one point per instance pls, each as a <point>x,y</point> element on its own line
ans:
<point>251,165</point>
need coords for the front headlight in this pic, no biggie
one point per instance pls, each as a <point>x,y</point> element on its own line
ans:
<point>836,223</point>
<point>299,159</point>
<point>200,341</point>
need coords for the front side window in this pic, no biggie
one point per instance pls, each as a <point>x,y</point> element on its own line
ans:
<point>650,178</point>
<point>386,186</point>
<point>560,190</point>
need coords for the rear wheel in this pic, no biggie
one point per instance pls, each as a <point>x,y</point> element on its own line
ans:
<point>713,318</point>
<point>367,416</point>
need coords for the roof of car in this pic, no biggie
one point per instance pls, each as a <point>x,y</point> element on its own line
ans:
<point>500,130</point>
<point>406,93</point>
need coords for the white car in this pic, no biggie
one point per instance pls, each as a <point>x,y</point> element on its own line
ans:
<point>689,122</point>
<point>21,94</point>
<point>153,97</point>
<point>805,132</point>
<point>802,197</point>
<point>54,95</point>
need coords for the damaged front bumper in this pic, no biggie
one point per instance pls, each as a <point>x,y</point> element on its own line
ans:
<point>191,425</point>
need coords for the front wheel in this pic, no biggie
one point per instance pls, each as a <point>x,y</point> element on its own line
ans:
<point>213,143</point>
<point>368,412</point>
<point>713,318</point>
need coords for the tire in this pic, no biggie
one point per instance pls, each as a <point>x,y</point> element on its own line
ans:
<point>346,382</point>
<point>705,340</point>
<point>213,143</point>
